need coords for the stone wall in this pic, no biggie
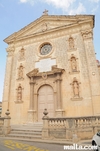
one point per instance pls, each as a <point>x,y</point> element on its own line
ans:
<point>21,59</point>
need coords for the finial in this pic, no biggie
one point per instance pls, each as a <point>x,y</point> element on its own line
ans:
<point>45,12</point>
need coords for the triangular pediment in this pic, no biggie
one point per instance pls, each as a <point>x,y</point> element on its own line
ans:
<point>47,23</point>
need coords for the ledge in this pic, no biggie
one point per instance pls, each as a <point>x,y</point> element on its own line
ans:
<point>18,102</point>
<point>77,99</point>
<point>73,49</point>
<point>74,72</point>
<point>20,79</point>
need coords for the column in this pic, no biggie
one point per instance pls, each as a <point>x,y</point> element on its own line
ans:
<point>31,103</point>
<point>59,111</point>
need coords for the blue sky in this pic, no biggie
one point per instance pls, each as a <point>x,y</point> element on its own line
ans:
<point>15,14</point>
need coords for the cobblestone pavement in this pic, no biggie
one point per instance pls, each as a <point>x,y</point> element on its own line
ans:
<point>9,145</point>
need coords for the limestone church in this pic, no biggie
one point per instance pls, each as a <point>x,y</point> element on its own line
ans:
<point>51,64</point>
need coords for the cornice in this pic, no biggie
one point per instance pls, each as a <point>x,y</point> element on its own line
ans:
<point>78,19</point>
<point>47,35</point>
<point>36,73</point>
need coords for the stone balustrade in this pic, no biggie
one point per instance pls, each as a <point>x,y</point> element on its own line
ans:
<point>67,128</point>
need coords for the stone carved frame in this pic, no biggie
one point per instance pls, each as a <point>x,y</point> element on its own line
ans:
<point>73,47</point>
<point>36,81</point>
<point>37,87</point>
<point>78,97</point>
<point>77,64</point>
<point>19,91</point>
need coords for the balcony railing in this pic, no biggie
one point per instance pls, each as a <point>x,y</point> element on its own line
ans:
<point>68,128</point>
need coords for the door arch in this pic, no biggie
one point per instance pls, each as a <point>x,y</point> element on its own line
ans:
<point>45,100</point>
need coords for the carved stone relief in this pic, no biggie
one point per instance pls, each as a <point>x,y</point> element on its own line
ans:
<point>10,50</point>
<point>20,72</point>
<point>19,94</point>
<point>76,89</point>
<point>73,64</point>
<point>87,34</point>
<point>44,27</point>
<point>71,44</point>
<point>22,54</point>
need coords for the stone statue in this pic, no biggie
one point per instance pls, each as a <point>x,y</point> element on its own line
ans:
<point>76,88</point>
<point>73,64</point>
<point>19,93</point>
<point>20,72</point>
<point>71,43</point>
<point>22,53</point>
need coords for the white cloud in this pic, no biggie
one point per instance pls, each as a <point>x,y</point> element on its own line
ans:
<point>95,1</point>
<point>69,6</point>
<point>27,1</point>
<point>63,4</point>
<point>80,9</point>
<point>23,1</point>
<point>95,9</point>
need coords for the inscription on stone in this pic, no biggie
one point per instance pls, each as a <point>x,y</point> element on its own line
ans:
<point>45,65</point>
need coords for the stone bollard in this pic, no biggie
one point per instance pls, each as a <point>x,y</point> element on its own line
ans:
<point>45,118</point>
<point>7,127</point>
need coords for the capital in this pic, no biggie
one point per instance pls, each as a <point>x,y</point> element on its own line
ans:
<point>88,34</point>
<point>10,50</point>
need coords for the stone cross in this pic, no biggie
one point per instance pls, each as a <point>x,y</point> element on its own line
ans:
<point>45,12</point>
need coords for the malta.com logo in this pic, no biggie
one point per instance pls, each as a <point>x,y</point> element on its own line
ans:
<point>79,147</point>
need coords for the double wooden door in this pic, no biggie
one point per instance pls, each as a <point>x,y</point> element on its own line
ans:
<point>45,100</point>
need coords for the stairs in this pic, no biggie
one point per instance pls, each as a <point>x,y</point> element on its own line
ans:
<point>33,131</point>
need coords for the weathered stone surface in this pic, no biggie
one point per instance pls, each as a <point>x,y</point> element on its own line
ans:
<point>48,29</point>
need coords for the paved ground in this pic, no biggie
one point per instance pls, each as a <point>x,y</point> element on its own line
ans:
<point>9,145</point>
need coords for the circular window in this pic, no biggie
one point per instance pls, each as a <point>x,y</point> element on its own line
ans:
<point>45,49</point>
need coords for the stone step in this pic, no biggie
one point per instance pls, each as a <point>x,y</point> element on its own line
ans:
<point>26,132</point>
<point>33,131</point>
<point>24,136</point>
<point>27,127</point>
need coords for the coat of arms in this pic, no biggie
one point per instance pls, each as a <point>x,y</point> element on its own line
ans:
<point>44,75</point>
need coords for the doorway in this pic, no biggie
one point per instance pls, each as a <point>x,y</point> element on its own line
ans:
<point>45,100</point>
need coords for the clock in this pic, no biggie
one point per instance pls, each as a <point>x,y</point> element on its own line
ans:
<point>45,49</point>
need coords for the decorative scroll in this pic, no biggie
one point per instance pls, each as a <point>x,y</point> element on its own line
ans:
<point>10,50</point>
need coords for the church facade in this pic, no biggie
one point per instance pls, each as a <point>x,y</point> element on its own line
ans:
<point>51,64</point>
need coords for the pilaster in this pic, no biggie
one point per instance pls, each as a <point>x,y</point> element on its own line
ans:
<point>6,96</point>
<point>31,103</point>
<point>93,73</point>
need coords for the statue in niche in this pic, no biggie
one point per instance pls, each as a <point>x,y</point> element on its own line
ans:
<point>19,93</point>
<point>20,72</point>
<point>22,53</point>
<point>73,64</point>
<point>71,43</point>
<point>76,88</point>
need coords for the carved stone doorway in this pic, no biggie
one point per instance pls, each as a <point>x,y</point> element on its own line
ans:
<point>45,100</point>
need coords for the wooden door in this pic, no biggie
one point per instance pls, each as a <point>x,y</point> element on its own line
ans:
<point>45,100</point>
